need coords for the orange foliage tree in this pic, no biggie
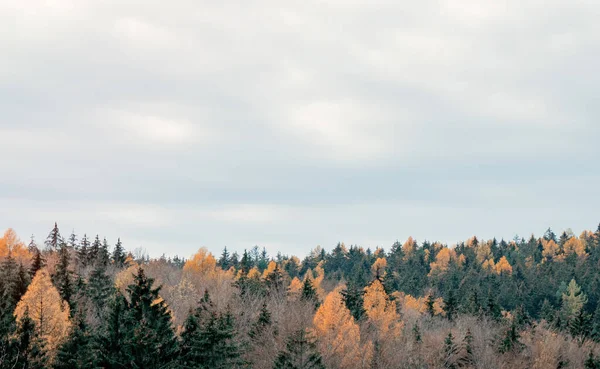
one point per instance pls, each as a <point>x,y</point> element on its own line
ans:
<point>47,310</point>
<point>337,332</point>
<point>10,242</point>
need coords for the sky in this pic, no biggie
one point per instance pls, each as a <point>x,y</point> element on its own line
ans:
<point>290,124</point>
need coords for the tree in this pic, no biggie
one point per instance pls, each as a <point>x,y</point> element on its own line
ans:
<point>263,322</point>
<point>224,260</point>
<point>510,342</point>
<point>149,340</point>
<point>450,351</point>
<point>381,311</point>
<point>208,340</point>
<point>83,251</point>
<point>54,239</point>
<point>77,350</point>
<point>300,353</point>
<point>62,277</point>
<point>37,261</point>
<point>337,332</point>
<point>309,293</point>
<point>49,312</point>
<point>118,255</point>
<point>30,347</point>
<point>573,301</point>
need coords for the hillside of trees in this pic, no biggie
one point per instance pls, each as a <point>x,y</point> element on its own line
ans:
<point>78,301</point>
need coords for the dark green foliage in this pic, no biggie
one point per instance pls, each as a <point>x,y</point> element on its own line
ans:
<point>450,351</point>
<point>263,322</point>
<point>354,299</point>
<point>417,333</point>
<point>300,353</point>
<point>274,282</point>
<point>469,358</point>
<point>77,351</point>
<point>580,326</point>
<point>451,305</point>
<point>591,362</point>
<point>139,333</point>
<point>510,342</point>
<point>224,261</point>
<point>309,293</point>
<point>208,340</point>
<point>63,276</point>
<point>37,261</point>
<point>118,255</point>
<point>83,251</point>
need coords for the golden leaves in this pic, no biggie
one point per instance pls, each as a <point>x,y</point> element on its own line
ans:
<point>378,268</point>
<point>338,333</point>
<point>503,266</point>
<point>381,311</point>
<point>202,262</point>
<point>10,242</point>
<point>47,310</point>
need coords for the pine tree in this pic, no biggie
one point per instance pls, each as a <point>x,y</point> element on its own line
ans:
<point>429,303</point>
<point>591,362</point>
<point>83,251</point>
<point>451,306</point>
<point>77,350</point>
<point>450,351</point>
<point>208,340</point>
<point>300,353</point>
<point>118,255</point>
<point>274,281</point>
<point>30,347</point>
<point>114,335</point>
<point>263,322</point>
<point>72,241</point>
<point>510,341</point>
<point>580,326</point>
<point>309,293</point>
<point>354,299</point>
<point>37,262</point>
<point>54,239</point>
<point>63,276</point>
<point>98,290</point>
<point>417,333</point>
<point>149,341</point>
<point>94,251</point>
<point>103,254</point>
<point>224,260</point>
<point>469,358</point>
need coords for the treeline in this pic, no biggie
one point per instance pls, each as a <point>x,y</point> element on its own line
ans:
<point>83,303</point>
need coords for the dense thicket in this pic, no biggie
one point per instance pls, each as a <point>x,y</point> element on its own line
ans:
<point>523,303</point>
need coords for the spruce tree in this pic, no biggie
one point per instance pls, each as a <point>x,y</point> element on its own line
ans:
<point>263,322</point>
<point>72,241</point>
<point>417,333</point>
<point>300,353</point>
<point>114,334</point>
<point>118,255</point>
<point>208,341</point>
<point>510,341</point>
<point>104,254</point>
<point>150,341</point>
<point>63,276</point>
<point>309,293</point>
<point>224,261</point>
<point>94,251</point>
<point>83,251</point>
<point>353,297</point>
<point>54,239</point>
<point>77,351</point>
<point>98,290</point>
<point>37,262</point>
<point>449,352</point>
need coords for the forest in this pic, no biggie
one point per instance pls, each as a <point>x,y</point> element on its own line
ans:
<point>78,301</point>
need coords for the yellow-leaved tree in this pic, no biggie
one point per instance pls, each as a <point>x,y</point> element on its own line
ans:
<point>378,268</point>
<point>10,243</point>
<point>503,266</point>
<point>47,309</point>
<point>295,289</point>
<point>338,334</point>
<point>381,311</point>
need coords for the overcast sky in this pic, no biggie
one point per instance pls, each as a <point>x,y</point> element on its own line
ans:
<point>291,124</point>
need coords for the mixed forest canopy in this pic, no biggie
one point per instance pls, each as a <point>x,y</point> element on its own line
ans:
<point>79,301</point>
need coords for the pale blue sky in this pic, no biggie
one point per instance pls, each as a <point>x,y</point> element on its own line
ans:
<point>182,124</point>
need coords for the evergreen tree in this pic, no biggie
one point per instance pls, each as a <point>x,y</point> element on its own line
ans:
<point>98,290</point>
<point>274,281</point>
<point>208,340</point>
<point>224,261</point>
<point>118,255</point>
<point>94,251</point>
<point>309,293</point>
<point>63,276</point>
<point>429,303</point>
<point>54,239</point>
<point>354,299</point>
<point>149,341</point>
<point>264,321</point>
<point>451,305</point>
<point>417,333</point>
<point>591,362</point>
<point>510,341</point>
<point>83,251</point>
<point>115,334</point>
<point>77,350</point>
<point>469,358</point>
<point>450,351</point>
<point>580,326</point>
<point>72,241</point>
<point>103,254</point>
<point>300,353</point>
<point>37,262</point>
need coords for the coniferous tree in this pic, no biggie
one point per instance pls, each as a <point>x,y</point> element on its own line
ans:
<point>300,353</point>
<point>77,350</point>
<point>354,299</point>
<point>451,306</point>
<point>118,255</point>
<point>29,346</point>
<point>54,239</point>
<point>591,362</point>
<point>83,251</point>
<point>417,333</point>
<point>450,350</point>
<point>149,338</point>
<point>103,254</point>
<point>94,251</point>
<point>224,260</point>
<point>37,262</point>
<point>63,276</point>
<point>208,340</point>
<point>263,322</point>
<point>114,335</point>
<point>98,290</point>
<point>72,241</point>
<point>309,293</point>
<point>510,341</point>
